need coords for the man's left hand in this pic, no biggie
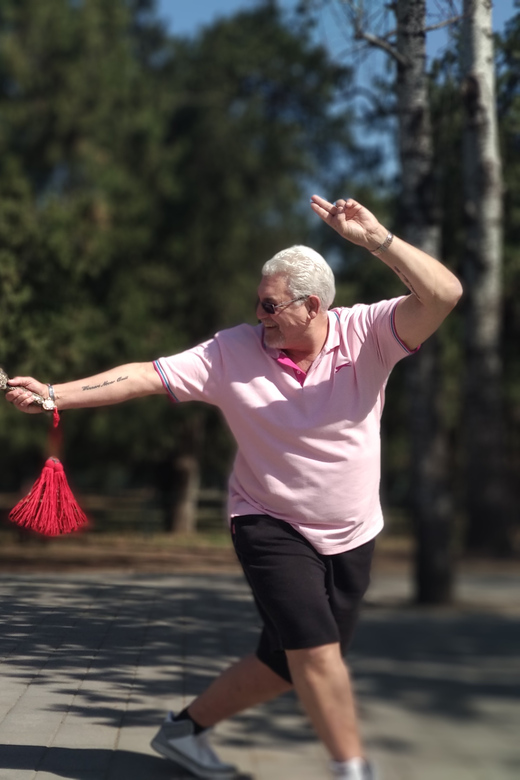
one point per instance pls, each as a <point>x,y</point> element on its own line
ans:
<point>351,220</point>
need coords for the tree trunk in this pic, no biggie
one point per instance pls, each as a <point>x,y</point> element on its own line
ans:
<point>485,462</point>
<point>178,477</point>
<point>430,497</point>
<point>185,494</point>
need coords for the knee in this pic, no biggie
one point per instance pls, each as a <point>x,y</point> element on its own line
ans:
<point>319,660</point>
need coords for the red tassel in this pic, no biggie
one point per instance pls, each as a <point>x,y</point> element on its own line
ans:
<point>50,507</point>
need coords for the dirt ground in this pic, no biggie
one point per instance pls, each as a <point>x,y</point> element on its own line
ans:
<point>22,552</point>
<point>162,553</point>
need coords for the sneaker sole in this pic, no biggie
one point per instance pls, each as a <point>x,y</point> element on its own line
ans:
<point>179,758</point>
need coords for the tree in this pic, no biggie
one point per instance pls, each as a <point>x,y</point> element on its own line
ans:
<point>431,501</point>
<point>81,143</point>
<point>146,179</point>
<point>486,471</point>
<point>419,222</point>
<point>508,106</point>
<point>253,109</point>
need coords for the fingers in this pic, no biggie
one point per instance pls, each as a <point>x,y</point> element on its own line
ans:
<point>26,404</point>
<point>326,210</point>
<point>322,203</point>
<point>21,396</point>
<point>331,208</point>
<point>21,381</point>
<point>346,204</point>
<point>27,383</point>
<point>321,207</point>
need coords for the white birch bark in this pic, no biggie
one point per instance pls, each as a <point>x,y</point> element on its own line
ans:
<point>486,499</point>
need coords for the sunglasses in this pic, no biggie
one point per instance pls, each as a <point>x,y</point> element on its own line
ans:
<point>271,308</point>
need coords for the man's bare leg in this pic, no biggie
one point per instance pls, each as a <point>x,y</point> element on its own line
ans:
<point>244,684</point>
<point>322,682</point>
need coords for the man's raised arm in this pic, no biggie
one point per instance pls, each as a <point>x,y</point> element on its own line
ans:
<point>435,290</point>
<point>123,383</point>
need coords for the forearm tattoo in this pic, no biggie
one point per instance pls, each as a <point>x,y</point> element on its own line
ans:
<point>407,282</point>
<point>105,383</point>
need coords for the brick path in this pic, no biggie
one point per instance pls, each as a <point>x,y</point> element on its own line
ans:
<point>89,664</point>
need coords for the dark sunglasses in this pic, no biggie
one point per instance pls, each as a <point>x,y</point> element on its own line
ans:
<point>271,308</point>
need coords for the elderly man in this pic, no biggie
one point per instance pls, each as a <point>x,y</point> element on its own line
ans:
<point>302,393</point>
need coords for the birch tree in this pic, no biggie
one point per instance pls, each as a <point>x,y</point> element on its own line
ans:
<point>419,223</point>
<point>486,480</point>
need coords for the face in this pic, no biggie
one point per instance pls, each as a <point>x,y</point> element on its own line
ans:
<point>287,327</point>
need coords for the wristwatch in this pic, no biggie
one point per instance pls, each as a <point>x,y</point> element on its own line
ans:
<point>49,404</point>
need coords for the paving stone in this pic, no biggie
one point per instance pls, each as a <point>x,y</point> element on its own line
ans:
<point>89,667</point>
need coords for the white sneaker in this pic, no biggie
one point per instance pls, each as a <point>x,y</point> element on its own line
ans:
<point>175,740</point>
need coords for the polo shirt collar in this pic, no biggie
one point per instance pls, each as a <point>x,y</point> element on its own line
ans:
<point>334,335</point>
<point>332,341</point>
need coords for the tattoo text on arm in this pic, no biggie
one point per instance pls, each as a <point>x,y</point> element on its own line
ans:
<point>105,383</point>
<point>407,282</point>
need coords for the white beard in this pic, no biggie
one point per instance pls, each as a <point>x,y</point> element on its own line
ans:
<point>273,337</point>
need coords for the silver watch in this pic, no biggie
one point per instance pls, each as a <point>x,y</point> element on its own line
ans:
<point>49,404</point>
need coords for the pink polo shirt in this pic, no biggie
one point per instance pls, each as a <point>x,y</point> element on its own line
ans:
<point>308,444</point>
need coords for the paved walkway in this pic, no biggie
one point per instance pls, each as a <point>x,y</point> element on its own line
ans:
<point>89,664</point>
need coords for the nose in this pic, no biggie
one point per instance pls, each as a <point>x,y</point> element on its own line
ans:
<point>260,311</point>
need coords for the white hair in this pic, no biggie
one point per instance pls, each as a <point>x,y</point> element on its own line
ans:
<point>307,272</point>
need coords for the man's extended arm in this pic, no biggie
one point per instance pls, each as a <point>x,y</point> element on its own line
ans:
<point>133,380</point>
<point>435,290</point>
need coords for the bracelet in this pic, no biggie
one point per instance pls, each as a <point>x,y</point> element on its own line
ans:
<point>384,246</point>
<point>49,403</point>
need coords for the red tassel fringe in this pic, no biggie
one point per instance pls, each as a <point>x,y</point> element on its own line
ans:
<point>50,507</point>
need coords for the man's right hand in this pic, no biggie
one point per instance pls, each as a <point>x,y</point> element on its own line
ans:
<point>20,393</point>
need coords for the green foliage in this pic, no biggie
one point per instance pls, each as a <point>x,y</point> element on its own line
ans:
<point>254,115</point>
<point>143,181</point>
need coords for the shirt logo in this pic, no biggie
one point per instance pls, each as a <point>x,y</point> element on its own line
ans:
<point>342,365</point>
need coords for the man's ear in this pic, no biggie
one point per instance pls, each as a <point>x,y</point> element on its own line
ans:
<point>313,306</point>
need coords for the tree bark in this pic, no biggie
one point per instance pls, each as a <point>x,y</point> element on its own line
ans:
<point>430,497</point>
<point>185,494</point>
<point>486,501</point>
<point>431,493</point>
<point>178,478</point>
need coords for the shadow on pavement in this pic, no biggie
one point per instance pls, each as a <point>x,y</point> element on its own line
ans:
<point>84,764</point>
<point>123,645</point>
<point>445,663</point>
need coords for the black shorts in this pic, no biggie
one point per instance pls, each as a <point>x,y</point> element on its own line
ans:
<point>305,599</point>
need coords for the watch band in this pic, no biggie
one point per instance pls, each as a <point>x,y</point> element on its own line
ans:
<point>384,246</point>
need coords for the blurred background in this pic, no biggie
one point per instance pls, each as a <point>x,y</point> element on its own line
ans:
<point>153,156</point>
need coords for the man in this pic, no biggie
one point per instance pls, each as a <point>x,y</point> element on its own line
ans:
<point>303,394</point>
